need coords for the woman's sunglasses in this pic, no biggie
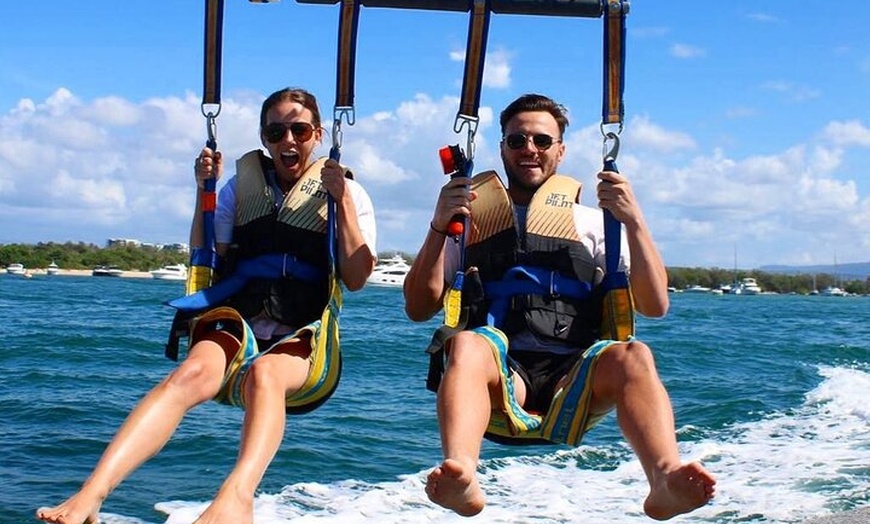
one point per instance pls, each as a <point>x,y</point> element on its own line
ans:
<point>276,131</point>
<point>519,140</point>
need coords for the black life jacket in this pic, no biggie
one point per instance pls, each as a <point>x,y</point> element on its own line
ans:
<point>296,228</point>
<point>547,250</point>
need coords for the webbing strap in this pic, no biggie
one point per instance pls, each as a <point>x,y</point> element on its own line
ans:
<point>578,8</point>
<point>612,230</point>
<point>612,109</point>
<point>214,20</point>
<point>270,267</point>
<point>204,259</point>
<point>475,57</point>
<point>344,75</point>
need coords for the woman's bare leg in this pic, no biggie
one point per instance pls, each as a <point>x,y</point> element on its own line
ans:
<point>268,381</point>
<point>145,431</point>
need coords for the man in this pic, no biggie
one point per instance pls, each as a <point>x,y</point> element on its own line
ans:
<point>546,337</point>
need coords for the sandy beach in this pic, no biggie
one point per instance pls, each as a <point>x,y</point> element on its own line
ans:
<point>88,273</point>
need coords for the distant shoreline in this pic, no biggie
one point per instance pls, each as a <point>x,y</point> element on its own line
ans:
<point>87,273</point>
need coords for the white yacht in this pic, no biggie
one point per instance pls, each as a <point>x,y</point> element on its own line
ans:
<point>833,291</point>
<point>170,272</point>
<point>748,286</point>
<point>52,269</point>
<point>16,269</point>
<point>107,271</point>
<point>390,272</point>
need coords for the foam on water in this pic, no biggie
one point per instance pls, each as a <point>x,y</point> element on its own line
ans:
<point>784,468</point>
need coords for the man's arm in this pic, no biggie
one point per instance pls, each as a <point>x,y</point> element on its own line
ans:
<point>648,277</point>
<point>424,284</point>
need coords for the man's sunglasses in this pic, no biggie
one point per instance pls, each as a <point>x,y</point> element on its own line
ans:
<point>276,131</point>
<point>519,140</point>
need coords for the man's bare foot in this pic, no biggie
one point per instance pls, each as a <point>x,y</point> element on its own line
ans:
<point>81,508</point>
<point>680,491</point>
<point>228,507</point>
<point>454,486</point>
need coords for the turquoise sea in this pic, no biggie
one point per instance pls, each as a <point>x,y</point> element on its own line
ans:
<point>771,392</point>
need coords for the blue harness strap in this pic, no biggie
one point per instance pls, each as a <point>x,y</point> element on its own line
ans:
<point>529,280</point>
<point>264,266</point>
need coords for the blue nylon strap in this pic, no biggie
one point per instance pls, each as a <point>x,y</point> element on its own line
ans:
<point>612,231</point>
<point>269,267</point>
<point>527,280</point>
<point>331,234</point>
<point>204,256</point>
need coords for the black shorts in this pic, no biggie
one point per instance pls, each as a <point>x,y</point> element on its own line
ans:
<point>541,371</point>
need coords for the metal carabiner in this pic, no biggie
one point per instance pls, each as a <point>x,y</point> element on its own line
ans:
<point>614,150</point>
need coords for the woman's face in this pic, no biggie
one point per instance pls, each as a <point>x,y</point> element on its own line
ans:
<point>290,137</point>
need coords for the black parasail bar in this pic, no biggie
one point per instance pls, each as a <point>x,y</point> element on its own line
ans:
<point>578,8</point>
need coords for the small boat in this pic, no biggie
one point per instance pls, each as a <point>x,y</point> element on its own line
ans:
<point>748,286</point>
<point>16,269</point>
<point>170,272</point>
<point>390,272</point>
<point>697,289</point>
<point>107,271</point>
<point>833,291</point>
<point>52,269</point>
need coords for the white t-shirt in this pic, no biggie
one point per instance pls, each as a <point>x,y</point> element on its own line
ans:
<point>589,223</point>
<point>224,220</point>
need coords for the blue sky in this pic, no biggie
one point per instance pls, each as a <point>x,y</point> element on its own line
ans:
<point>747,126</point>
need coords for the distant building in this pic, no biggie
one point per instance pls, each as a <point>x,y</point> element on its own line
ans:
<point>177,247</point>
<point>122,242</point>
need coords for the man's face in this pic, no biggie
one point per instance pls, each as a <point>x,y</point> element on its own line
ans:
<point>291,149</point>
<point>532,162</point>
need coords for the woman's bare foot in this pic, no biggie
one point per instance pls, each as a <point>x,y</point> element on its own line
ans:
<point>454,486</point>
<point>228,507</point>
<point>681,490</point>
<point>81,508</point>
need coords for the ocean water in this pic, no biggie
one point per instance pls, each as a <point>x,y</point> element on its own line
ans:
<point>770,392</point>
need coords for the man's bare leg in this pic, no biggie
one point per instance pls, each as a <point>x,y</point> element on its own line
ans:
<point>626,376</point>
<point>464,405</point>
<point>144,432</point>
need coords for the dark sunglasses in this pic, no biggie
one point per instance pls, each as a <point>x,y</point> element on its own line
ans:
<point>276,131</point>
<point>519,140</point>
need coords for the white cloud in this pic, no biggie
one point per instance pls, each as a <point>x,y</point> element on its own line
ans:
<point>138,183</point>
<point>687,51</point>
<point>848,133</point>
<point>496,70</point>
<point>649,31</point>
<point>763,17</point>
<point>647,134</point>
<point>792,92</point>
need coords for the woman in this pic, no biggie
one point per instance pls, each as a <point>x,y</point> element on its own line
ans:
<point>262,348</point>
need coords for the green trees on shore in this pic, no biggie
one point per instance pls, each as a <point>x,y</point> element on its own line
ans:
<point>86,256</point>
<point>72,255</point>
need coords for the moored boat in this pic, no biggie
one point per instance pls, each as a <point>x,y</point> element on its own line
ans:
<point>16,269</point>
<point>170,272</point>
<point>390,272</point>
<point>107,271</point>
